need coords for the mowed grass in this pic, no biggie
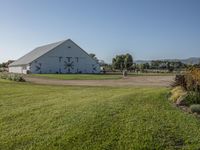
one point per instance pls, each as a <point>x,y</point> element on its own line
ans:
<point>151,74</point>
<point>96,118</point>
<point>113,76</point>
<point>79,76</point>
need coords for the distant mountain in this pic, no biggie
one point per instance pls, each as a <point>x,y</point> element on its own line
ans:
<point>191,60</point>
<point>142,61</point>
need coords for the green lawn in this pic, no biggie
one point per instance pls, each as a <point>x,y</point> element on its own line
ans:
<point>79,76</point>
<point>95,76</point>
<point>151,74</point>
<point>96,118</point>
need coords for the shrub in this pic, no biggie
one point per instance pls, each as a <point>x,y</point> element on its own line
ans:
<point>195,108</point>
<point>177,93</point>
<point>12,77</point>
<point>16,77</point>
<point>180,81</point>
<point>193,98</point>
<point>183,97</point>
<point>192,79</point>
<point>3,76</point>
<point>187,88</point>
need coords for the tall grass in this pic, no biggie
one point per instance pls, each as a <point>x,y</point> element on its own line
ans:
<point>190,83</point>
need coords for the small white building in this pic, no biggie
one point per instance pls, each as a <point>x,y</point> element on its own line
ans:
<point>60,57</point>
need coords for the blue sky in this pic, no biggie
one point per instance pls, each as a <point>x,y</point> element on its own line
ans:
<point>148,29</point>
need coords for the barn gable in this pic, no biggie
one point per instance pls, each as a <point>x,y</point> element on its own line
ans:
<point>61,57</point>
<point>68,48</point>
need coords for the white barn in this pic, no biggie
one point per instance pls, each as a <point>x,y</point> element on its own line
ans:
<point>60,57</point>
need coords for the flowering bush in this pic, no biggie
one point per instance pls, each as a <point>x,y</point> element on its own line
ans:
<point>188,85</point>
<point>12,76</point>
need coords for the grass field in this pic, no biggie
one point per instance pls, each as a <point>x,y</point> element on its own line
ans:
<point>63,117</point>
<point>151,74</point>
<point>95,76</point>
<point>79,76</point>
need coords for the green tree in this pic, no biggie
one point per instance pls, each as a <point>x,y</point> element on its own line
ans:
<point>92,55</point>
<point>118,62</point>
<point>155,64</point>
<point>142,67</point>
<point>122,62</point>
<point>128,61</point>
<point>6,64</point>
<point>146,65</point>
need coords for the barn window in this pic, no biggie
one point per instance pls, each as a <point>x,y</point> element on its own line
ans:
<point>69,46</point>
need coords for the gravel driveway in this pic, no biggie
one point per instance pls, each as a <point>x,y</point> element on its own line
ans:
<point>163,81</point>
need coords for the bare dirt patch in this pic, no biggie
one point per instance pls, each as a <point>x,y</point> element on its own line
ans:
<point>129,81</point>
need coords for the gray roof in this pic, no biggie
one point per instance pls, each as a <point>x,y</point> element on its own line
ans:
<point>36,53</point>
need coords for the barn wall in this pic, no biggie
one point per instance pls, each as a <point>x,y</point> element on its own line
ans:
<point>15,69</point>
<point>19,69</point>
<point>66,58</point>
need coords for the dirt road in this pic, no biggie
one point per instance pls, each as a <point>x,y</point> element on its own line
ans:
<point>129,81</point>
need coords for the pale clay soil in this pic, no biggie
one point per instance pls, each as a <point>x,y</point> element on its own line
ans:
<point>162,81</point>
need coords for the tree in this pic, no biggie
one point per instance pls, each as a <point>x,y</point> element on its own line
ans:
<point>117,62</point>
<point>92,55</point>
<point>122,62</point>
<point>3,65</point>
<point>146,65</point>
<point>142,67</point>
<point>6,64</point>
<point>128,62</point>
<point>155,64</point>
<point>197,65</point>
